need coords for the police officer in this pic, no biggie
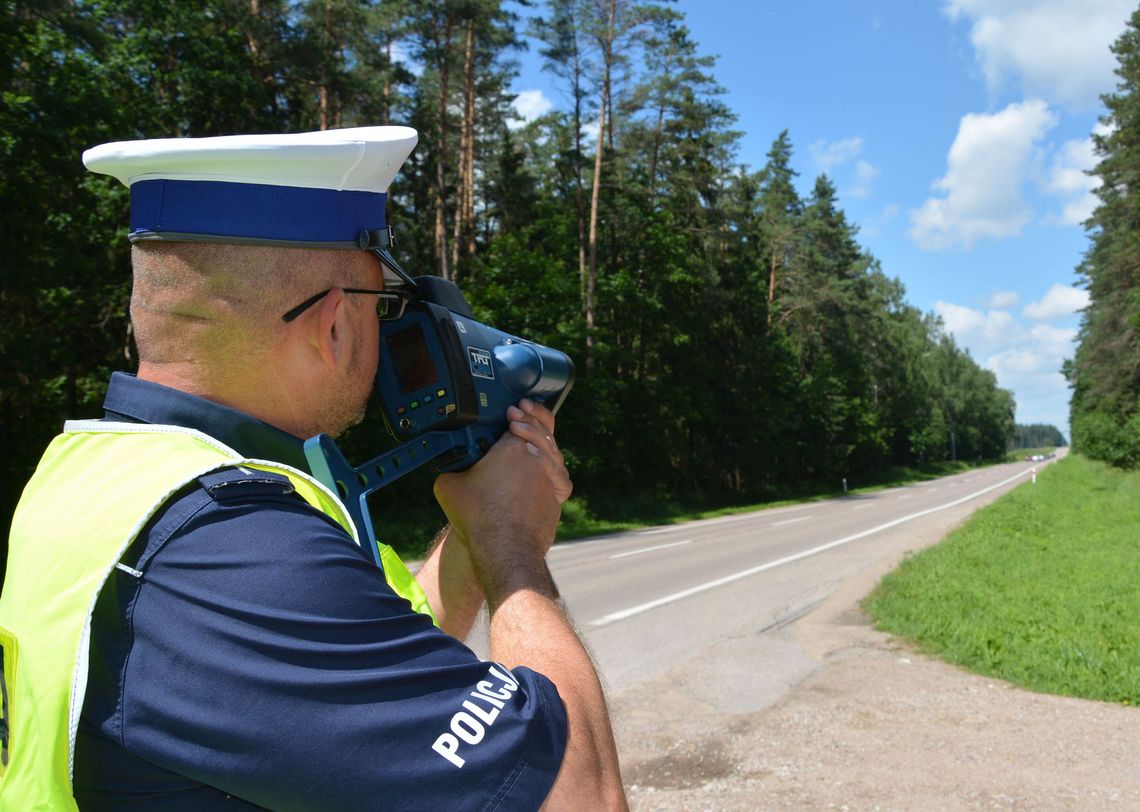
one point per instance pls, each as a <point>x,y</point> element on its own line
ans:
<point>189,621</point>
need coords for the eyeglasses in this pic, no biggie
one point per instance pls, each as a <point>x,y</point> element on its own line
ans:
<point>390,307</point>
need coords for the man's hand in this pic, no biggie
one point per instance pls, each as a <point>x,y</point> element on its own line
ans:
<point>447,576</point>
<point>506,507</point>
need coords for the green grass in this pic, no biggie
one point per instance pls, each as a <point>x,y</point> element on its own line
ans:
<point>1041,588</point>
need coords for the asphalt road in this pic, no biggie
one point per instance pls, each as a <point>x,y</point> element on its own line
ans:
<point>698,604</point>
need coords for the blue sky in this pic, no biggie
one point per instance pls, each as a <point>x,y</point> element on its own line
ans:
<point>957,133</point>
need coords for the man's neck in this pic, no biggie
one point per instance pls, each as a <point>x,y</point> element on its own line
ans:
<point>270,403</point>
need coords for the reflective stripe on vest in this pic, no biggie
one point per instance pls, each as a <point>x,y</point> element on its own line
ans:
<point>68,533</point>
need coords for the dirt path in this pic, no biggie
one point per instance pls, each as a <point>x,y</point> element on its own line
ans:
<point>878,727</point>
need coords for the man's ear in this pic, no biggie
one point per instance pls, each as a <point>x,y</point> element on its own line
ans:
<point>330,331</point>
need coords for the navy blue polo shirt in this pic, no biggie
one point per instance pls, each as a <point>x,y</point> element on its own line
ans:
<point>249,654</point>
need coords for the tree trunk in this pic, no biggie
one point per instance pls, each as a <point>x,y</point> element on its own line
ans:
<point>595,194</point>
<point>592,275</point>
<point>443,43</point>
<point>463,191</point>
<point>772,283</point>
<point>579,198</point>
<point>469,206</point>
<point>656,152</point>
<point>324,70</point>
<point>386,93</point>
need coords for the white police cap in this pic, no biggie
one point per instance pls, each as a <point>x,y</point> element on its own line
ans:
<point>316,189</point>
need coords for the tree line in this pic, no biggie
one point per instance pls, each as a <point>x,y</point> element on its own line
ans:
<point>733,339</point>
<point>1105,372</point>
<point>1036,435</point>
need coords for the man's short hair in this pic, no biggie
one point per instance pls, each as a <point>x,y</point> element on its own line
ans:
<point>213,298</point>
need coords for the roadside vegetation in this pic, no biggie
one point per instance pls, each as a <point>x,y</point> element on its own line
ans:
<point>1041,588</point>
<point>1105,371</point>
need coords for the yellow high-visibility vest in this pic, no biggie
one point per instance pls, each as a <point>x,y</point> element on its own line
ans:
<point>96,487</point>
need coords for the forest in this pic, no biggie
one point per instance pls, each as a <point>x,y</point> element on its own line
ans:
<point>1105,373</point>
<point>1036,435</point>
<point>733,339</point>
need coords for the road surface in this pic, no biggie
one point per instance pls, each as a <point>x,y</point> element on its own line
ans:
<point>650,600</point>
<point>721,700</point>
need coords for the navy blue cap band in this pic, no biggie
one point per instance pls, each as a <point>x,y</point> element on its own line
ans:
<point>252,211</point>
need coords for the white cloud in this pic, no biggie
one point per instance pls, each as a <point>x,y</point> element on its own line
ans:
<point>864,174</point>
<point>874,226</point>
<point>828,155</point>
<point>1004,298</point>
<point>989,328</point>
<point>1060,300</point>
<point>1054,49</point>
<point>986,169</point>
<point>529,105</point>
<point>1069,179</point>
<point>1070,165</point>
<point>1025,359</point>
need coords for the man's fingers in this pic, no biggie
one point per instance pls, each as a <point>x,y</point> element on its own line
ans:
<point>534,425</point>
<point>540,413</point>
<point>537,436</point>
<point>542,445</point>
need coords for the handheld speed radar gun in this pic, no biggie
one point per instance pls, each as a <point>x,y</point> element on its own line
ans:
<point>445,381</point>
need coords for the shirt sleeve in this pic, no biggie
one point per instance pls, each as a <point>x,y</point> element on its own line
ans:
<point>270,659</point>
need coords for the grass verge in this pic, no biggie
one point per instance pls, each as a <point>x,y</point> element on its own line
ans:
<point>1041,588</point>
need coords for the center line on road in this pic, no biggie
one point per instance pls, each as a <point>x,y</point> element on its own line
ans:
<point>650,549</point>
<point>728,579</point>
<point>860,507</point>
<point>904,496</point>
<point>790,521</point>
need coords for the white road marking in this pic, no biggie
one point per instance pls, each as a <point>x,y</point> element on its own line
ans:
<point>735,517</point>
<point>650,549</point>
<point>905,496</point>
<point>790,521</point>
<point>860,507</point>
<point>728,579</point>
<point>756,515</point>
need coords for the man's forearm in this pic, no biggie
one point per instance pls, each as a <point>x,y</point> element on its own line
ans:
<point>448,580</point>
<point>529,628</point>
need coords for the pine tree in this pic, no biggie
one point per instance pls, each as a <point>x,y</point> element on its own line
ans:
<point>1105,375</point>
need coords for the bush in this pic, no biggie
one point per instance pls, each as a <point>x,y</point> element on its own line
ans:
<point>1098,435</point>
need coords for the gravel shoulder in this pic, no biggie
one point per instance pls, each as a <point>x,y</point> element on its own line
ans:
<point>873,726</point>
